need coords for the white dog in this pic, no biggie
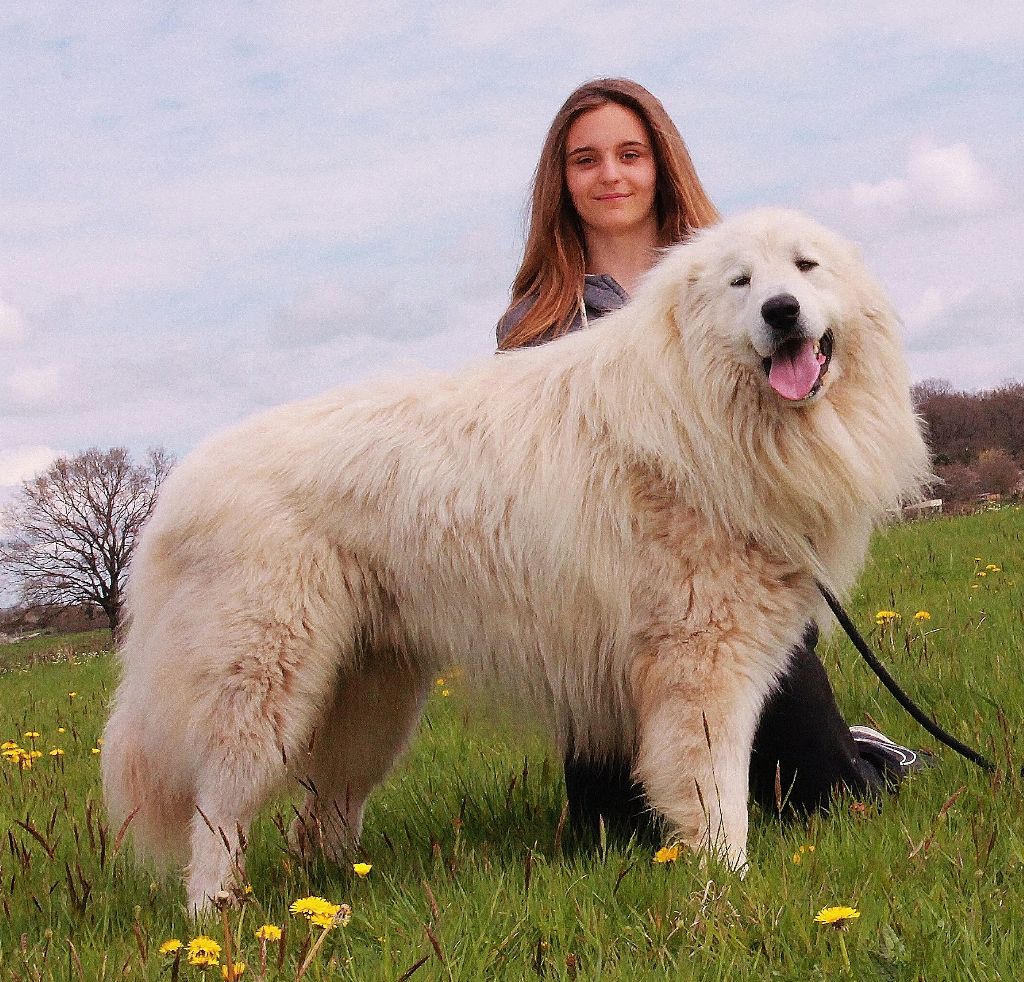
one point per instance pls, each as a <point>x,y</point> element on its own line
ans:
<point>623,529</point>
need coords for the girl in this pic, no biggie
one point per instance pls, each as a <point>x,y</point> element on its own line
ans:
<point>614,185</point>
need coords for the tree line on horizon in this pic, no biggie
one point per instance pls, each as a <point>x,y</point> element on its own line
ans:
<point>976,439</point>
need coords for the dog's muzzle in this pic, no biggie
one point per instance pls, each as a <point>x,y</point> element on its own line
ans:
<point>797,365</point>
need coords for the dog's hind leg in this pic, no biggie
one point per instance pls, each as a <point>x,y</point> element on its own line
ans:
<point>258,708</point>
<point>367,726</point>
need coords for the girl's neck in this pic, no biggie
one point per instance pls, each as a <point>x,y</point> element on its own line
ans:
<point>625,256</point>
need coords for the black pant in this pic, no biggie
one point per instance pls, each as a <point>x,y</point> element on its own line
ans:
<point>801,738</point>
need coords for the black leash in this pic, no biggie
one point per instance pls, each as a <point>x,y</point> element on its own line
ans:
<point>890,683</point>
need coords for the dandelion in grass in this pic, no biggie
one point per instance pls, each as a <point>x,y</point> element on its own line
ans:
<point>60,729</point>
<point>922,615</point>
<point>993,568</point>
<point>268,932</point>
<point>445,693</point>
<point>667,854</point>
<point>837,918</point>
<point>322,912</point>
<point>308,906</point>
<point>885,618</point>
<point>203,951</point>
<point>56,752</point>
<point>32,735</point>
<point>95,750</point>
<point>362,870</point>
<point>170,947</point>
<point>799,854</point>
<point>236,972</point>
<point>72,695</point>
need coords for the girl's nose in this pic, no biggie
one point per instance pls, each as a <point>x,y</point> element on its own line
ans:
<point>609,171</point>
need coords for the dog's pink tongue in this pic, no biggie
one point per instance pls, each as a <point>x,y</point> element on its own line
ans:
<point>795,369</point>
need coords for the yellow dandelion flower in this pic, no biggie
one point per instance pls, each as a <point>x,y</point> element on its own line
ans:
<point>60,729</point>
<point>170,946</point>
<point>440,681</point>
<point>837,917</point>
<point>56,752</point>
<point>886,617</point>
<point>799,854</point>
<point>992,568</point>
<point>32,735</point>
<point>8,745</point>
<point>322,913</point>
<point>269,932</point>
<point>667,854</point>
<point>341,914</point>
<point>308,906</point>
<point>95,750</point>
<point>362,869</point>
<point>72,695</point>
<point>203,951</point>
<point>981,572</point>
<point>922,615</point>
<point>445,692</point>
<point>237,970</point>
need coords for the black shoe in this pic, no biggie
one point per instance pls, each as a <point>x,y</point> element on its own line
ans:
<point>891,760</point>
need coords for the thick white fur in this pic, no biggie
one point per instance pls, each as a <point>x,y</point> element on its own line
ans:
<point>622,528</point>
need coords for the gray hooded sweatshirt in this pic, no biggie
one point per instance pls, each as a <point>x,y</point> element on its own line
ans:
<point>601,295</point>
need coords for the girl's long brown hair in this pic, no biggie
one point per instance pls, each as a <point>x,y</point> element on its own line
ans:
<point>554,260</point>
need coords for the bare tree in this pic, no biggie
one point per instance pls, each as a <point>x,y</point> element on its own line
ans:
<point>71,530</point>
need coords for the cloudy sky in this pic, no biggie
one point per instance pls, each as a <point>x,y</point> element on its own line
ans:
<point>206,209</point>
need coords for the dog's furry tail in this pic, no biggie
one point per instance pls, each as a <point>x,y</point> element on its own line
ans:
<point>143,788</point>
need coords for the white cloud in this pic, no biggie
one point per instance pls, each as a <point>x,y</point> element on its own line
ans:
<point>21,463</point>
<point>936,181</point>
<point>950,180</point>
<point>33,387</point>
<point>13,326</point>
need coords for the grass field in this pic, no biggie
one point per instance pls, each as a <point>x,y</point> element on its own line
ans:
<point>473,876</point>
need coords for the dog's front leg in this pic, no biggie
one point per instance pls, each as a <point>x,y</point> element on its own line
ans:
<point>695,736</point>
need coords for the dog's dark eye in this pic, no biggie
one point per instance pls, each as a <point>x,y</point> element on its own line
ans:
<point>805,264</point>
<point>740,281</point>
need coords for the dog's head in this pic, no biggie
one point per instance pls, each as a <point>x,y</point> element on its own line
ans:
<point>782,301</point>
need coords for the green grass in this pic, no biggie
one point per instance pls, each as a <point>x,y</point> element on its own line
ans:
<point>52,648</point>
<point>472,874</point>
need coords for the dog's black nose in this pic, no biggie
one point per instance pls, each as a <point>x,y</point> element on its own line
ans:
<point>781,311</point>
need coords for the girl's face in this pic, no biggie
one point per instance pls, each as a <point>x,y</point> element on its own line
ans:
<point>610,170</point>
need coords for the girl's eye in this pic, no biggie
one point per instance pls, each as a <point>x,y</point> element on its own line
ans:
<point>805,264</point>
<point>743,280</point>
